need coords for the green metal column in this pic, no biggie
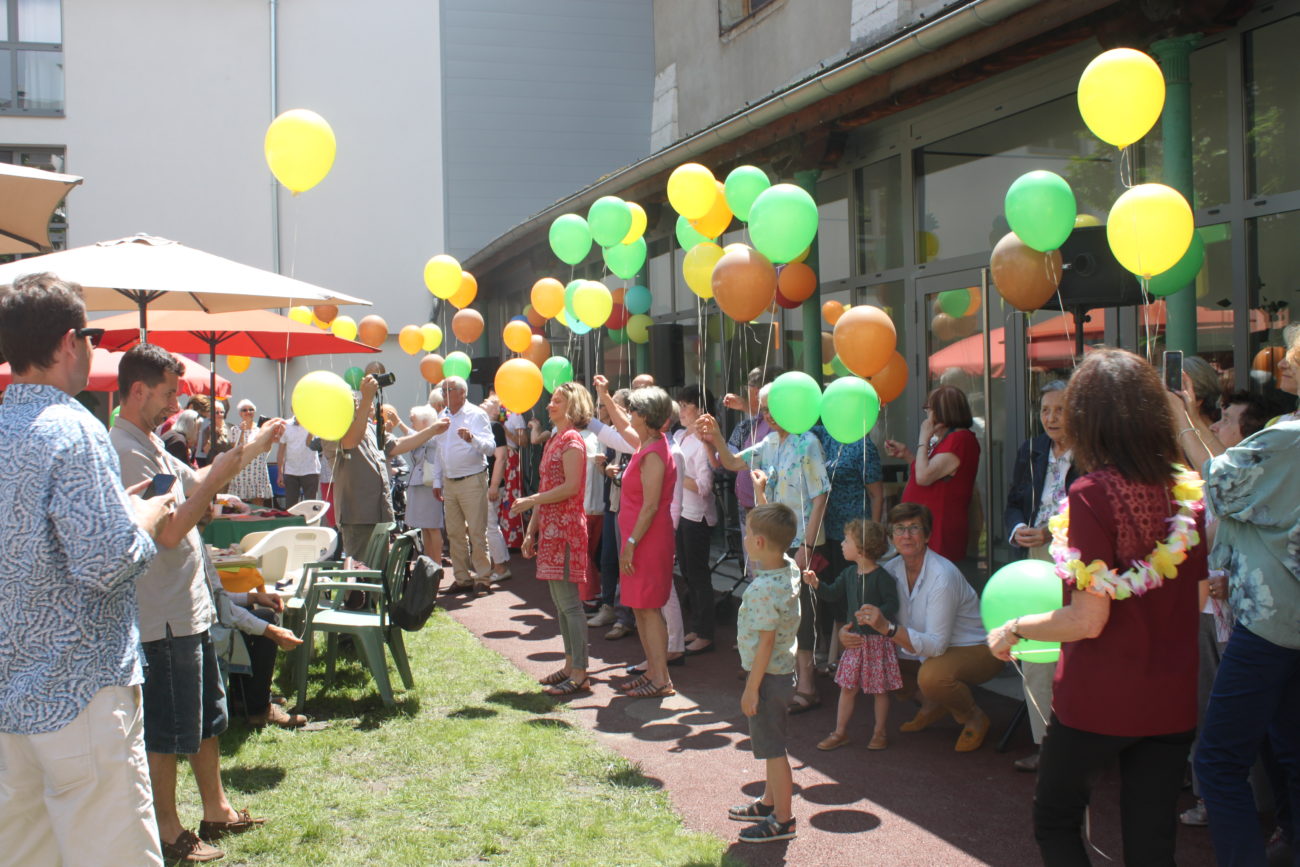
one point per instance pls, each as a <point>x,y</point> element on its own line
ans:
<point>1174,55</point>
<point>641,363</point>
<point>812,308</point>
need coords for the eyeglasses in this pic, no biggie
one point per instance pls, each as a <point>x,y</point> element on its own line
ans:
<point>248,409</point>
<point>95,334</point>
<point>908,530</point>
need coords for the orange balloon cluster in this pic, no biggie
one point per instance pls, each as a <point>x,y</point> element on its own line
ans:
<point>372,331</point>
<point>744,282</point>
<point>865,339</point>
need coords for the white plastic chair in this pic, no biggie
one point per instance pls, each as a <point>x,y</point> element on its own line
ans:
<point>311,510</point>
<point>284,551</point>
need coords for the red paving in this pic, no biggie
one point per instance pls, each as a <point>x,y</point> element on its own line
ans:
<point>918,802</point>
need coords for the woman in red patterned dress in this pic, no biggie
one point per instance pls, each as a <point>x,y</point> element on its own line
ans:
<point>557,531</point>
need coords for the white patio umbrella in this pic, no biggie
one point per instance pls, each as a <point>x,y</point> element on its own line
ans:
<point>145,271</point>
<point>27,199</point>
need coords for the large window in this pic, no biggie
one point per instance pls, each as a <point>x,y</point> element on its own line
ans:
<point>1272,107</point>
<point>31,57</point>
<point>1274,294</point>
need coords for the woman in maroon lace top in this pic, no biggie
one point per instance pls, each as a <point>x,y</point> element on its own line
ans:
<point>1125,684</point>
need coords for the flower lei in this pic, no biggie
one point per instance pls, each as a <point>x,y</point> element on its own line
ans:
<point>1146,574</point>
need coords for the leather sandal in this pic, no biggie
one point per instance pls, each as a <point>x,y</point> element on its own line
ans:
<point>557,676</point>
<point>650,690</point>
<point>568,687</point>
<point>635,684</point>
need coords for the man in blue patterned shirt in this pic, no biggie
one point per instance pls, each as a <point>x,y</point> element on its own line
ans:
<point>74,788</point>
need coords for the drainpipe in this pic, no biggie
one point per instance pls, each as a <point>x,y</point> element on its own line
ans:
<point>811,309</point>
<point>1176,133</point>
<point>273,7</point>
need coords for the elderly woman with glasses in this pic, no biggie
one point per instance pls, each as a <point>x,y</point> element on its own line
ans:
<point>939,634</point>
<point>253,484</point>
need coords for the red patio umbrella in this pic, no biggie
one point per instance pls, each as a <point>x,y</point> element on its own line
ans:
<point>1155,314</point>
<point>968,354</point>
<point>197,379</point>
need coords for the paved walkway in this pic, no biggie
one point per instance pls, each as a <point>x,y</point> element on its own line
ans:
<point>919,802</point>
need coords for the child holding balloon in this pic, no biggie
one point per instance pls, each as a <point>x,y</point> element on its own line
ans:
<point>872,665</point>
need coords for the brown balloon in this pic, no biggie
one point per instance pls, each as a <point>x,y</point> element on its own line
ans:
<point>797,282</point>
<point>944,327</point>
<point>744,283</point>
<point>828,347</point>
<point>1023,276</point>
<point>967,326</point>
<point>431,368</point>
<point>1268,358</point>
<point>467,325</point>
<point>325,312</point>
<point>539,349</point>
<point>372,331</point>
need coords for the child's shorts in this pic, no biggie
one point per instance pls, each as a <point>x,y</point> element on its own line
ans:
<point>767,727</point>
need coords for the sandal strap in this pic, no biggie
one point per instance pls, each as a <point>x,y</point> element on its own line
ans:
<point>569,686</point>
<point>557,676</point>
<point>650,690</point>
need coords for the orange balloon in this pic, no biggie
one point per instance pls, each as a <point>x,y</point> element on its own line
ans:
<point>1268,358</point>
<point>535,319</point>
<point>517,336</point>
<point>832,311</point>
<point>865,337</point>
<point>618,294</point>
<point>891,379</point>
<point>431,368</point>
<point>1025,277</point>
<point>797,282</point>
<point>548,297</point>
<point>468,291</point>
<point>974,300</point>
<point>828,347</point>
<point>518,383</point>
<point>744,283</point>
<point>411,339</point>
<point>325,312</point>
<point>539,349</point>
<point>467,325</point>
<point>716,221</point>
<point>372,331</point>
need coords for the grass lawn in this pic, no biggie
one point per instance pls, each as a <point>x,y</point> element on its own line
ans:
<point>473,766</point>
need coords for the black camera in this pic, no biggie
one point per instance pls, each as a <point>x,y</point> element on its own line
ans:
<point>385,379</point>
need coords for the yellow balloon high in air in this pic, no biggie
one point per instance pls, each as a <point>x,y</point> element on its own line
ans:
<point>1121,95</point>
<point>300,149</point>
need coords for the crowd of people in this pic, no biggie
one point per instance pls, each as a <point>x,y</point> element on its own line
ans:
<point>1179,609</point>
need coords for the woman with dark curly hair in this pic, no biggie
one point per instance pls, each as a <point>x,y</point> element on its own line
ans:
<point>1129,548</point>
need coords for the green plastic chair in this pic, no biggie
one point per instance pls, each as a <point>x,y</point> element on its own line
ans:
<point>371,630</point>
<point>375,556</point>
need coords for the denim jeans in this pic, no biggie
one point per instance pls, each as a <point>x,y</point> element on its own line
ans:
<point>1256,696</point>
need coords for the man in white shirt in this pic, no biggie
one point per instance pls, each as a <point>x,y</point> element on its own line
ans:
<point>461,482</point>
<point>298,466</point>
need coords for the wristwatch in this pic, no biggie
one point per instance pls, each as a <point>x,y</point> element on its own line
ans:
<point>631,540</point>
<point>892,631</point>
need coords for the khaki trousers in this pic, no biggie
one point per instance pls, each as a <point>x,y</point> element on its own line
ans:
<point>945,680</point>
<point>81,794</point>
<point>466,507</point>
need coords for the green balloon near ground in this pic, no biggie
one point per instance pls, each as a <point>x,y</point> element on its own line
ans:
<point>783,222</point>
<point>795,401</point>
<point>849,409</point>
<point>687,235</point>
<point>1184,271</point>
<point>1041,209</point>
<point>556,371</point>
<point>457,364</point>
<point>1020,588</point>
<point>625,260</point>
<point>839,367</point>
<point>955,302</point>
<point>610,219</point>
<point>744,184</point>
<point>637,300</point>
<point>617,336</point>
<point>353,376</point>
<point>570,238</point>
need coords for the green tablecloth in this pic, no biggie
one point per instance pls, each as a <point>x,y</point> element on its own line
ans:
<point>224,532</point>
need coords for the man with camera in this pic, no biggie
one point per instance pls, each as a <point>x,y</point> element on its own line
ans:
<point>461,482</point>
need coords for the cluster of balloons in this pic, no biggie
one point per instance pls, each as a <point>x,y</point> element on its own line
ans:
<point>954,314</point>
<point>414,339</point>
<point>848,407</point>
<point>299,149</point>
<point>617,226</point>
<point>372,330</point>
<point>444,277</point>
<point>586,304</point>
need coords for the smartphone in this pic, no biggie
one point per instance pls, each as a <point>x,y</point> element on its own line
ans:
<point>1174,369</point>
<point>161,484</point>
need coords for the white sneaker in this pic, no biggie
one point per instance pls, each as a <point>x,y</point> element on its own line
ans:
<point>603,617</point>
<point>502,576</point>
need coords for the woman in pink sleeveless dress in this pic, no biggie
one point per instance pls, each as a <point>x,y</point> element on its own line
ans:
<point>645,526</point>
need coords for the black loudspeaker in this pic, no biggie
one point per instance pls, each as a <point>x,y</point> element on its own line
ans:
<point>1092,277</point>
<point>667,358</point>
<point>484,372</point>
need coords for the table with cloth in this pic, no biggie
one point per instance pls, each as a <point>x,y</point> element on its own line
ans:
<point>224,532</point>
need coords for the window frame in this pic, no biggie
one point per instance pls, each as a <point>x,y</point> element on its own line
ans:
<point>14,46</point>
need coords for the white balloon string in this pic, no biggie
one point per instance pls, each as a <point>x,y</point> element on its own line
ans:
<point>1146,317</point>
<point>1125,168</point>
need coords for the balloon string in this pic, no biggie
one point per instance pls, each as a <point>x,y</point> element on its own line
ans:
<point>1125,168</point>
<point>1146,316</point>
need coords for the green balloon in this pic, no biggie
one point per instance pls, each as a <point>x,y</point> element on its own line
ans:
<point>687,236</point>
<point>1040,207</point>
<point>353,376</point>
<point>783,222</point>
<point>625,260</point>
<point>569,292</point>
<point>849,409</point>
<point>610,220</point>
<point>955,302</point>
<point>1020,588</point>
<point>556,371</point>
<point>457,364</point>
<point>1183,272</point>
<point>742,187</point>
<point>795,401</point>
<point>617,336</point>
<point>840,368</point>
<point>571,238</point>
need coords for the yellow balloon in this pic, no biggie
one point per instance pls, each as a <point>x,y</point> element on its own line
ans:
<point>299,149</point>
<point>803,255</point>
<point>519,384</point>
<point>411,339</point>
<point>432,335</point>
<point>691,190</point>
<point>638,328</point>
<point>638,223</point>
<point>345,327</point>
<point>1084,220</point>
<point>237,363</point>
<point>322,403</point>
<point>319,323</point>
<point>697,268</point>
<point>303,315</point>
<point>442,275</point>
<point>1149,228</point>
<point>1121,95</point>
<point>562,318</point>
<point>593,303</point>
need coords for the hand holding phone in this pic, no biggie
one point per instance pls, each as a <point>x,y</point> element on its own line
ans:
<point>161,484</point>
<point>1174,370</point>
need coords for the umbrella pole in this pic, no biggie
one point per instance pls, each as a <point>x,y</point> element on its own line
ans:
<point>212,402</point>
<point>144,327</point>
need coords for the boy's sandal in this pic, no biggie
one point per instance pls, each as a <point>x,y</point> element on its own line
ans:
<point>756,811</point>
<point>568,686</point>
<point>649,690</point>
<point>557,676</point>
<point>802,703</point>
<point>635,684</point>
<point>769,831</point>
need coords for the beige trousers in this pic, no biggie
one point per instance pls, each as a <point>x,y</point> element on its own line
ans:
<point>945,680</point>
<point>465,503</point>
<point>81,794</point>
